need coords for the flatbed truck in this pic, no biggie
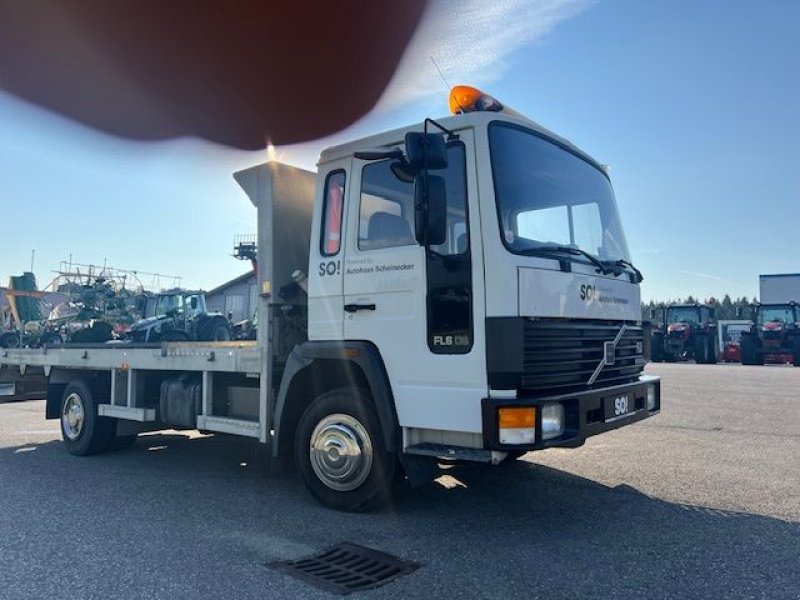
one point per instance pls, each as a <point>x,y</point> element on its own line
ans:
<point>456,290</point>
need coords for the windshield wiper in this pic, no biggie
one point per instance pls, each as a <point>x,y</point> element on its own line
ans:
<point>626,263</point>
<point>602,267</point>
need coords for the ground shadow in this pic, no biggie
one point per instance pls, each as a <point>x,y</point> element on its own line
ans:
<point>207,512</point>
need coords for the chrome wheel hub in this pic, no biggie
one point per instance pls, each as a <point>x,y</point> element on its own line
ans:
<point>341,452</point>
<point>73,416</point>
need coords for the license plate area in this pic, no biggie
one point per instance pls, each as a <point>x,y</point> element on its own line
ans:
<point>618,406</point>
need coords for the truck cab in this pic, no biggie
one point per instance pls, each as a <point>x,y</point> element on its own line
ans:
<point>520,329</point>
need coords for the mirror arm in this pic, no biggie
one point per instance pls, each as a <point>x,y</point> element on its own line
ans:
<point>451,136</point>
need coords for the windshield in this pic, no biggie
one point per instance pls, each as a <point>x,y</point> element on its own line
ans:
<point>683,314</point>
<point>547,195</point>
<point>169,304</point>
<point>783,314</point>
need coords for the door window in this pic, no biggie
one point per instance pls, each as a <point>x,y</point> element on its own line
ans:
<point>386,211</point>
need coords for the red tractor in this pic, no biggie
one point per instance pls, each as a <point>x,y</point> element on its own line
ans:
<point>688,331</point>
<point>774,336</point>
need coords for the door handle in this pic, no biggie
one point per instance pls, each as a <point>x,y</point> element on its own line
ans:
<point>351,308</point>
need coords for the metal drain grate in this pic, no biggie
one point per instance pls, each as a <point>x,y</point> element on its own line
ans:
<point>346,568</point>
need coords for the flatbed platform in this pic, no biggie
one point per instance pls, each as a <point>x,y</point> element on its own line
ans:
<point>229,357</point>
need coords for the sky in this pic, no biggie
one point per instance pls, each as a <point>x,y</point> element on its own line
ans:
<point>692,104</point>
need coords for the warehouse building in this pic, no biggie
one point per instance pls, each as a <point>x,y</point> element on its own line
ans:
<point>236,298</point>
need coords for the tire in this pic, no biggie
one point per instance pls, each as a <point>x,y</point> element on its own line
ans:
<point>344,417</point>
<point>747,350</point>
<point>657,347</point>
<point>9,339</point>
<point>796,353</point>
<point>51,339</point>
<point>704,350</point>
<point>669,357</point>
<point>216,330</point>
<point>713,349</point>
<point>83,430</point>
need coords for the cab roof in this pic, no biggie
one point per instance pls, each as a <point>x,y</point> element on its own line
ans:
<point>456,123</point>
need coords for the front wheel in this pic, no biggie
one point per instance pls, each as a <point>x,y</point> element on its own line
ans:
<point>341,453</point>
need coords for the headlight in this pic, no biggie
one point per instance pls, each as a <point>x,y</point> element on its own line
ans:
<point>651,397</point>
<point>552,420</point>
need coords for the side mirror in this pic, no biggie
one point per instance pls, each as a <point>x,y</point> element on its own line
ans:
<point>739,312</point>
<point>430,210</point>
<point>193,303</point>
<point>652,314</point>
<point>712,313</point>
<point>426,151</point>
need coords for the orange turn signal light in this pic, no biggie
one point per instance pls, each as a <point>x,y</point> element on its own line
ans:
<point>516,418</point>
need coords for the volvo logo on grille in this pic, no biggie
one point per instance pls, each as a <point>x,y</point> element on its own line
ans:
<point>609,354</point>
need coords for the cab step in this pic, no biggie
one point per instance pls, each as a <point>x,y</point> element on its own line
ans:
<point>444,452</point>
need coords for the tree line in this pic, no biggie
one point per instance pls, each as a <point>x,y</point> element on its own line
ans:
<point>724,309</point>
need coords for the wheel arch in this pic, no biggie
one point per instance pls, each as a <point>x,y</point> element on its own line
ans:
<point>317,367</point>
<point>99,383</point>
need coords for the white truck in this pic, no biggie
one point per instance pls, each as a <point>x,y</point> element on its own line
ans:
<point>455,290</point>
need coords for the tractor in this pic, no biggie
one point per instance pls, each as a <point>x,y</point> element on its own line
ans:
<point>688,331</point>
<point>774,335</point>
<point>180,316</point>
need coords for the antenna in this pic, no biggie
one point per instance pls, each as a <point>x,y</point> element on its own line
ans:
<point>446,85</point>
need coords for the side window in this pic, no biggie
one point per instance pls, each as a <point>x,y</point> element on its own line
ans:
<point>386,211</point>
<point>332,214</point>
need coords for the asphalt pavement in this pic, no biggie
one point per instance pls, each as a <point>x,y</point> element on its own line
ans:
<point>702,501</point>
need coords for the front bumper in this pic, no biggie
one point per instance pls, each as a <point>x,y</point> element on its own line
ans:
<point>585,414</point>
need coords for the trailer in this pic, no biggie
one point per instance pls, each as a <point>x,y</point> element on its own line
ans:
<point>418,302</point>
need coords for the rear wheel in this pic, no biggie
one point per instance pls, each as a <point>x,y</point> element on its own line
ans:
<point>83,430</point>
<point>341,453</point>
<point>217,330</point>
<point>796,353</point>
<point>747,349</point>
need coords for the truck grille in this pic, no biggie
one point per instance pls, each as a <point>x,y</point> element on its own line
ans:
<point>560,355</point>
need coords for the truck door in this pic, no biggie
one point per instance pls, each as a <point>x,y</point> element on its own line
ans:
<point>417,306</point>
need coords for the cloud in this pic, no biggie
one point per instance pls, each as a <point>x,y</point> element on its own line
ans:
<point>704,276</point>
<point>471,42</point>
